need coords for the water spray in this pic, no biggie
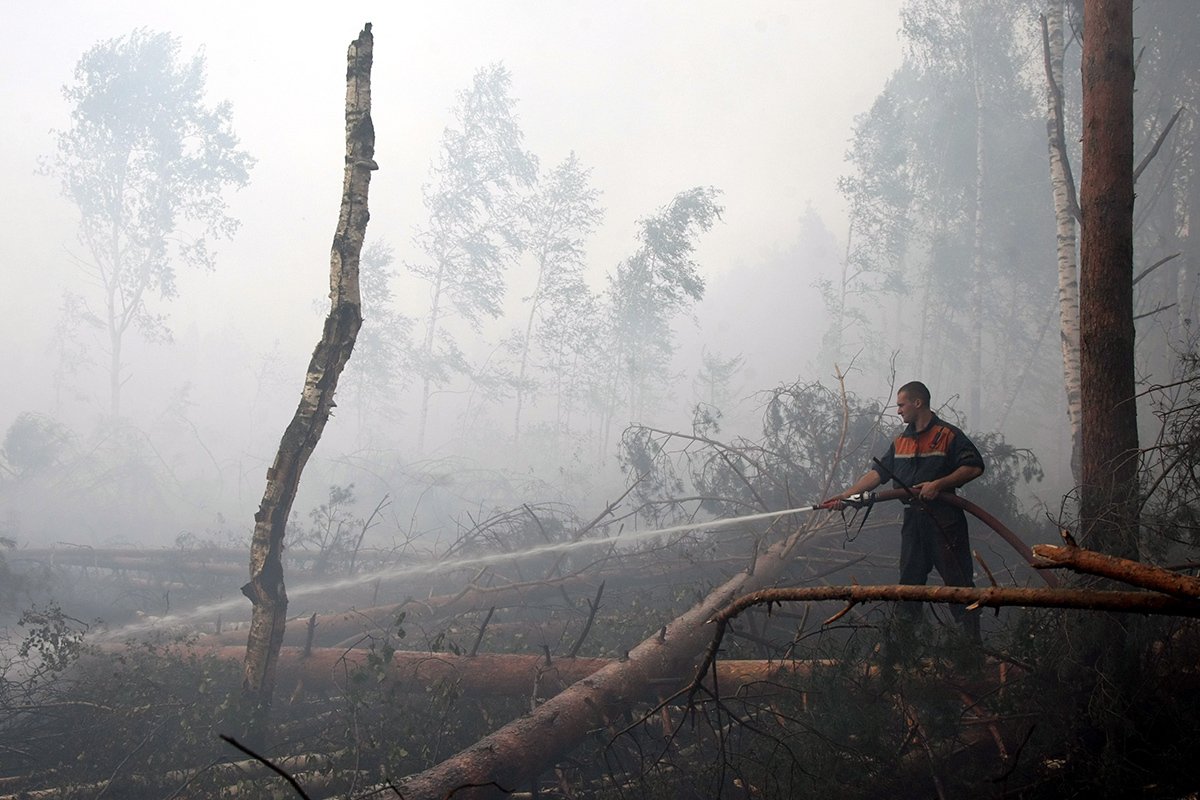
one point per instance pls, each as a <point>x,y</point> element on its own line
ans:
<point>437,567</point>
<point>857,501</point>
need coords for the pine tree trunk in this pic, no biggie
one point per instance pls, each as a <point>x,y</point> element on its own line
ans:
<point>266,587</point>
<point>1063,188</point>
<point>1108,499</point>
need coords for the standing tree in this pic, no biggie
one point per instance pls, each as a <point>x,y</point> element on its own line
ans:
<point>648,290</point>
<point>1066,210</point>
<point>1108,498</point>
<point>146,162</point>
<point>474,230</point>
<point>383,355</point>
<point>714,384</point>
<point>266,588</point>
<point>560,216</point>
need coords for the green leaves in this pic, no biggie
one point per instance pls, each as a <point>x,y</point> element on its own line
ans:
<point>146,163</point>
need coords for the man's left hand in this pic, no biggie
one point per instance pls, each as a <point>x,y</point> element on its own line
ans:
<point>928,490</point>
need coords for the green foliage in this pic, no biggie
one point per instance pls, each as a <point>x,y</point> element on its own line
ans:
<point>475,230</point>
<point>52,642</point>
<point>647,292</point>
<point>146,163</point>
<point>799,458</point>
<point>333,530</point>
<point>561,214</point>
<point>715,384</point>
<point>34,443</point>
<point>383,360</point>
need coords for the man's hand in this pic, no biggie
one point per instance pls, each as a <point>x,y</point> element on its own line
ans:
<point>832,504</point>
<point>928,490</point>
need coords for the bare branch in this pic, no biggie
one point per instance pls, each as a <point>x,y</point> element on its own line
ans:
<point>267,763</point>
<point>1153,267</point>
<point>1158,143</point>
<point>1134,573</point>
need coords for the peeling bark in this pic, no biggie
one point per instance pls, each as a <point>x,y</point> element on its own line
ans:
<point>1066,212</point>
<point>266,587</point>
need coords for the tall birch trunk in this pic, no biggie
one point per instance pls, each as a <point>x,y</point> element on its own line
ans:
<point>266,587</point>
<point>978,274</point>
<point>1108,499</point>
<point>1065,205</point>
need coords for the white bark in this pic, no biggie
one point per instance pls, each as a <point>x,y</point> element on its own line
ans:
<point>266,587</point>
<point>1065,210</point>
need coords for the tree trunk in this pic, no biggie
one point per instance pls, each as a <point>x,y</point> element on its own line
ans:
<point>323,671</point>
<point>426,383</point>
<point>266,588</point>
<point>1108,499</point>
<point>978,276</point>
<point>1065,206</point>
<point>534,302</point>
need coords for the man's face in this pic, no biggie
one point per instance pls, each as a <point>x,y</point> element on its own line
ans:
<point>906,408</point>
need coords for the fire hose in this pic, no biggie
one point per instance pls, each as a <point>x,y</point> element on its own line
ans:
<point>866,500</point>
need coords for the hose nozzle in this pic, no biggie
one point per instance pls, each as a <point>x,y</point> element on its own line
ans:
<point>860,500</point>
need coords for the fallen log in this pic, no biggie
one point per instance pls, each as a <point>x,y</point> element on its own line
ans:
<point>326,670</point>
<point>525,747</point>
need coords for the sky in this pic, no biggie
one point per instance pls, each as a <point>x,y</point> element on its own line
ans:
<point>756,99</point>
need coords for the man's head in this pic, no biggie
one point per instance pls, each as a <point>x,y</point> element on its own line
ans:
<point>912,402</point>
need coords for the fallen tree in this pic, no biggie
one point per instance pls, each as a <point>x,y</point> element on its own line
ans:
<point>520,750</point>
<point>326,670</point>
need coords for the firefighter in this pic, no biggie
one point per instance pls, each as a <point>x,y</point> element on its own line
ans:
<point>929,457</point>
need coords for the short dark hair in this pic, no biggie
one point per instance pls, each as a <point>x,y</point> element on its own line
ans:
<point>915,390</point>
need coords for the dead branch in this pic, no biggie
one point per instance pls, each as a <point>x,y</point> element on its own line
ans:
<point>1154,266</point>
<point>1158,143</point>
<point>593,607</point>
<point>482,629</point>
<point>1134,573</point>
<point>992,597</point>
<point>366,526</point>
<point>268,764</point>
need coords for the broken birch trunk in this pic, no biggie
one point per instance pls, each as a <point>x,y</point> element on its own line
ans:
<point>266,587</point>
